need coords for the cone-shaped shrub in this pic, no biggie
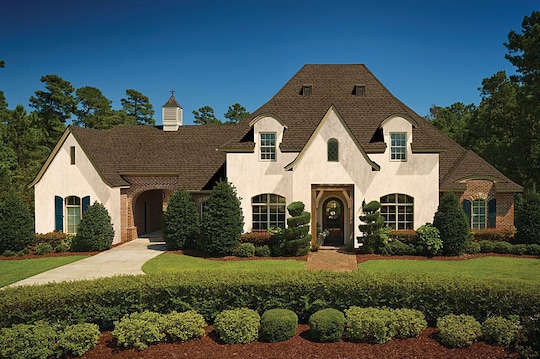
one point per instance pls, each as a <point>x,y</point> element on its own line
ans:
<point>180,221</point>
<point>16,225</point>
<point>95,232</point>
<point>453,225</point>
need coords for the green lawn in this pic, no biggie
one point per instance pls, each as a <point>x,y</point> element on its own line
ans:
<point>170,262</point>
<point>485,267</point>
<point>12,271</point>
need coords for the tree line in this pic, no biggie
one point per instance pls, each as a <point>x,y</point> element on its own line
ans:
<point>505,127</point>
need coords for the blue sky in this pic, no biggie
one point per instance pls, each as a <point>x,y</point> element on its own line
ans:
<point>218,53</point>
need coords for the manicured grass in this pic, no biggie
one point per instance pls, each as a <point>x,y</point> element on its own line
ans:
<point>485,267</point>
<point>12,271</point>
<point>170,262</point>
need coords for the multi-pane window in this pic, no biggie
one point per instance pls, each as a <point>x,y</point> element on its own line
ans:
<point>73,212</point>
<point>268,211</point>
<point>398,211</point>
<point>268,146</point>
<point>478,214</point>
<point>333,150</point>
<point>398,147</point>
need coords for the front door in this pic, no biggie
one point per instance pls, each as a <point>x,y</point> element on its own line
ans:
<point>333,222</point>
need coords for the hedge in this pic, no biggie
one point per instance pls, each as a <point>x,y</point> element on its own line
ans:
<point>103,301</point>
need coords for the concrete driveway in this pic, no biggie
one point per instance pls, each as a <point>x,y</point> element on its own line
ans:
<point>124,259</point>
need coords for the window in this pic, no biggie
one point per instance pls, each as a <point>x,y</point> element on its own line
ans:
<point>72,154</point>
<point>268,211</point>
<point>73,207</point>
<point>73,213</point>
<point>478,215</point>
<point>398,211</point>
<point>333,150</point>
<point>360,90</point>
<point>398,147</point>
<point>306,90</point>
<point>481,213</point>
<point>268,146</point>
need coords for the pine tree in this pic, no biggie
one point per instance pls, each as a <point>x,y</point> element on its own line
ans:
<point>16,224</point>
<point>452,223</point>
<point>180,221</point>
<point>95,232</point>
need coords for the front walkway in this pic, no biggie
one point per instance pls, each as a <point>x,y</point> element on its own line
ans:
<point>124,259</point>
<point>332,259</point>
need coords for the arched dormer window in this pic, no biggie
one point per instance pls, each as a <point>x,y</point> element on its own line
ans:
<point>333,150</point>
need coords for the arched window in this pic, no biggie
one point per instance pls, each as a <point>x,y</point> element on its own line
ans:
<point>268,211</point>
<point>333,150</point>
<point>398,211</point>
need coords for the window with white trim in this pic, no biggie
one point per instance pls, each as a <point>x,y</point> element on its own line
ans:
<point>73,214</point>
<point>398,147</point>
<point>478,214</point>
<point>268,210</point>
<point>268,146</point>
<point>398,211</point>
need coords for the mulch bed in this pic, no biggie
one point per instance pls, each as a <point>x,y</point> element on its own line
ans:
<point>300,346</point>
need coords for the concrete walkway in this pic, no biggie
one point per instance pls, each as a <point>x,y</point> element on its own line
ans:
<point>332,259</point>
<point>124,259</point>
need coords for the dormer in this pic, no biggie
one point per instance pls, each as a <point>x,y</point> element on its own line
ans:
<point>171,114</point>
<point>397,132</point>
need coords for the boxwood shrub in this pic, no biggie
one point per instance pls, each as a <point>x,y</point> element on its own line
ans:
<point>327,325</point>
<point>237,326</point>
<point>184,326</point>
<point>77,339</point>
<point>278,325</point>
<point>139,330</point>
<point>458,331</point>
<point>28,341</point>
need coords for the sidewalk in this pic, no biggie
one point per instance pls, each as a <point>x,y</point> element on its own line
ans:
<point>332,259</point>
<point>124,259</point>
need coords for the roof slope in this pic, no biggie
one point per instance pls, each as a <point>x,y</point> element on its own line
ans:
<point>334,85</point>
<point>191,152</point>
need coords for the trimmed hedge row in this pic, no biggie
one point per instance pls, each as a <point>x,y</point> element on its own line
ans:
<point>106,300</point>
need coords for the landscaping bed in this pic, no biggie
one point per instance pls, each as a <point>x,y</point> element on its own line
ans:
<point>301,345</point>
<point>368,257</point>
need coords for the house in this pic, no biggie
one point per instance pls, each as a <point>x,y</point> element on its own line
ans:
<point>333,137</point>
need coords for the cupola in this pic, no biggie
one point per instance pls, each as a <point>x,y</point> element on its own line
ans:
<point>171,114</point>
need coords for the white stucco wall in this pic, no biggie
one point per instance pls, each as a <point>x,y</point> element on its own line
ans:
<point>81,179</point>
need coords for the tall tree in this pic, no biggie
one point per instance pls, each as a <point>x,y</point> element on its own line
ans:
<point>138,107</point>
<point>205,116</point>
<point>453,120</point>
<point>94,109</point>
<point>55,105</point>
<point>236,113</point>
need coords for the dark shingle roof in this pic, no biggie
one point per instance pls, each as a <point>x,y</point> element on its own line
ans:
<point>333,85</point>
<point>191,152</point>
<point>172,102</point>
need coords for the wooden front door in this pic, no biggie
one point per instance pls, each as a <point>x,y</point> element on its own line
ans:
<point>333,222</point>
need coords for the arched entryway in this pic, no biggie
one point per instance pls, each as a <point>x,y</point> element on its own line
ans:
<point>148,211</point>
<point>333,221</point>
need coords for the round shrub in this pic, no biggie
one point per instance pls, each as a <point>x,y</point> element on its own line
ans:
<point>77,339</point>
<point>28,341</point>
<point>409,323</point>
<point>180,221</point>
<point>138,330</point>
<point>453,225</point>
<point>501,331</point>
<point>370,325</point>
<point>263,251</point>
<point>278,325</point>
<point>327,325</point>
<point>399,248</point>
<point>458,331</point>
<point>533,249</point>
<point>43,248</point>
<point>237,326</point>
<point>473,248</point>
<point>184,326</point>
<point>16,224</point>
<point>61,248</point>
<point>245,250</point>
<point>487,246</point>
<point>503,247</point>
<point>95,232</point>
<point>519,249</point>
<point>429,238</point>
<point>9,253</point>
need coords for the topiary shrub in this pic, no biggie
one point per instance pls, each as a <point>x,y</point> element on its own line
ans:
<point>453,225</point>
<point>429,239</point>
<point>500,331</point>
<point>181,327</point>
<point>222,222</point>
<point>263,251</point>
<point>16,224</point>
<point>180,221</point>
<point>244,250</point>
<point>278,325</point>
<point>372,227</point>
<point>138,330</point>
<point>527,218</point>
<point>77,339</point>
<point>458,331</point>
<point>95,232</point>
<point>327,325</point>
<point>237,326</point>
<point>43,248</point>
<point>28,341</point>
<point>296,236</point>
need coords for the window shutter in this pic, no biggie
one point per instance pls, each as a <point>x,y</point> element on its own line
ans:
<point>85,203</point>
<point>492,213</point>
<point>467,209</point>
<point>58,213</point>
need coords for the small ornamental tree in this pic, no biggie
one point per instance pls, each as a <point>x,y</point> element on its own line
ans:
<point>180,221</point>
<point>372,226</point>
<point>16,224</point>
<point>222,221</point>
<point>95,232</point>
<point>528,218</point>
<point>297,239</point>
<point>452,223</point>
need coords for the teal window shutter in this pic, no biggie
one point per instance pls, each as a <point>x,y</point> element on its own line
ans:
<point>58,214</point>
<point>492,213</point>
<point>85,203</point>
<point>467,209</point>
